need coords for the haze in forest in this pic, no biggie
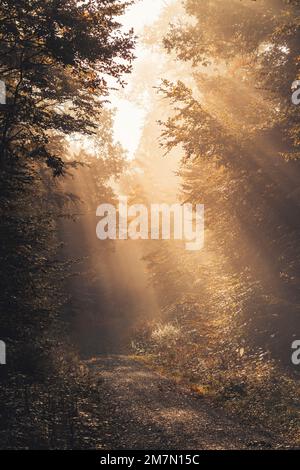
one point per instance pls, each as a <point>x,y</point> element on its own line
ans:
<point>194,105</point>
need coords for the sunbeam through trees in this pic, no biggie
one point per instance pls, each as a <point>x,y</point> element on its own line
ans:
<point>150,225</point>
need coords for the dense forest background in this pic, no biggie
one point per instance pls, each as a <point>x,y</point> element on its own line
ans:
<point>231,313</point>
<point>220,129</point>
<point>56,58</point>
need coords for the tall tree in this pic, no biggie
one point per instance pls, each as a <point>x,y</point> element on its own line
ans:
<point>55,60</point>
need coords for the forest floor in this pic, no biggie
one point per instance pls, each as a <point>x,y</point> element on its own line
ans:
<point>142,409</point>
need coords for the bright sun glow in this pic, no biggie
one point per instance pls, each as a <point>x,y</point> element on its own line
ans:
<point>129,116</point>
<point>128,125</point>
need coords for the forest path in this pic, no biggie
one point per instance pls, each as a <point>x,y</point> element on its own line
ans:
<point>140,409</point>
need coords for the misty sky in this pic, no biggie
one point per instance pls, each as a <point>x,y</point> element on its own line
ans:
<point>130,115</point>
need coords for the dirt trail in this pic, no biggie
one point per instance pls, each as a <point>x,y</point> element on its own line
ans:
<point>143,410</point>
